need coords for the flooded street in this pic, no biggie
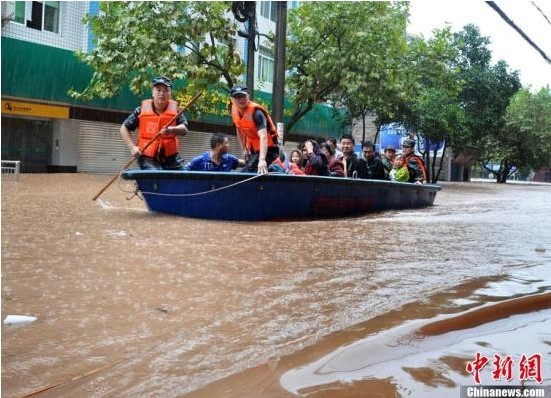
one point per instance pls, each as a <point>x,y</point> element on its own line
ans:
<point>135,304</point>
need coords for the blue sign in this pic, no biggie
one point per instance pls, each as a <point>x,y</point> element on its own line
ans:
<point>395,134</point>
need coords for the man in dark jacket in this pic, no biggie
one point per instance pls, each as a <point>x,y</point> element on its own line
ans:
<point>353,166</point>
<point>375,167</point>
<point>388,158</point>
<point>414,163</point>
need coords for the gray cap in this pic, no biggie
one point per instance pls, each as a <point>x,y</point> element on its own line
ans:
<point>235,90</point>
<point>162,80</point>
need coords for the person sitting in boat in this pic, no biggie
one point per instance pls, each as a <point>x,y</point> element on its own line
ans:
<point>333,142</point>
<point>218,158</point>
<point>151,118</point>
<point>256,131</point>
<point>316,162</point>
<point>295,165</point>
<point>416,166</point>
<point>336,167</point>
<point>353,166</point>
<point>399,171</point>
<point>388,158</point>
<point>375,168</point>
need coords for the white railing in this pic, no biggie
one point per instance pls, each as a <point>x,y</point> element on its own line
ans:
<point>10,170</point>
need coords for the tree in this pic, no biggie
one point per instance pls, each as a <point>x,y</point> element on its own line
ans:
<point>344,53</point>
<point>431,107</point>
<point>182,40</point>
<point>525,141</point>
<point>487,90</point>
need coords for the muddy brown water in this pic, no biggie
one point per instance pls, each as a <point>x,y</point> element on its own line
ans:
<point>135,304</point>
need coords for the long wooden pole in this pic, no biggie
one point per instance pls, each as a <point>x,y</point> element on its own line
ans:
<point>148,144</point>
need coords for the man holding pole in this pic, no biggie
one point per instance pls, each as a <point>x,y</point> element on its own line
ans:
<point>153,117</point>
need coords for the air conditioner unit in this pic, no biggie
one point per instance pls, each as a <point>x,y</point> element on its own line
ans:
<point>8,10</point>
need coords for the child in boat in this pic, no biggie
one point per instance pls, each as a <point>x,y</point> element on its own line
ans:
<point>399,171</point>
<point>295,165</point>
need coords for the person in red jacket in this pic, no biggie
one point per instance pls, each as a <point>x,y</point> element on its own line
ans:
<point>256,131</point>
<point>150,118</point>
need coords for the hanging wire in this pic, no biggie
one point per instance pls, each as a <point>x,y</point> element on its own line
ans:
<point>504,16</point>
<point>541,12</point>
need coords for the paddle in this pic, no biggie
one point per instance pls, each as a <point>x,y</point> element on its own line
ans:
<point>148,144</point>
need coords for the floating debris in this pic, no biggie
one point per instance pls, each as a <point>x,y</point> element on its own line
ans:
<point>104,204</point>
<point>116,233</point>
<point>15,319</point>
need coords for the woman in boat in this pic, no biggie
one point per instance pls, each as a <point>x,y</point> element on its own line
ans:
<point>336,167</point>
<point>316,162</point>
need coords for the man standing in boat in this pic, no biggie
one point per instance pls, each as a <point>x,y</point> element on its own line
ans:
<point>150,118</point>
<point>256,131</point>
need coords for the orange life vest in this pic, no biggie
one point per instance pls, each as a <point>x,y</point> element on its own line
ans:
<point>151,123</point>
<point>245,123</point>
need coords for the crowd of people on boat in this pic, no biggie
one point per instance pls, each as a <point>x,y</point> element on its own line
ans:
<point>261,149</point>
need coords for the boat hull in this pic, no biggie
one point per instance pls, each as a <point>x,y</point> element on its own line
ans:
<point>251,197</point>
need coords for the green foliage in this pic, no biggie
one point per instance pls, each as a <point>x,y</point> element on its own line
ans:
<point>486,89</point>
<point>347,53</point>
<point>192,41</point>
<point>525,141</point>
<point>484,97</point>
<point>431,106</point>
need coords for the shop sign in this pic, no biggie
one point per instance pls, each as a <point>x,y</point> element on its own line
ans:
<point>31,109</point>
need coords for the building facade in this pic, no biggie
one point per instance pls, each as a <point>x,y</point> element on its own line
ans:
<point>49,131</point>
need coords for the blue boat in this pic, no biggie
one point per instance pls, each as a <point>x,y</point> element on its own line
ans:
<point>251,197</point>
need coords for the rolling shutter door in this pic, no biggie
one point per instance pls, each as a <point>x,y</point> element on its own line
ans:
<point>194,143</point>
<point>100,148</point>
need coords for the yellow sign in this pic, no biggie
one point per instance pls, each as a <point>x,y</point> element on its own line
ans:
<point>30,109</point>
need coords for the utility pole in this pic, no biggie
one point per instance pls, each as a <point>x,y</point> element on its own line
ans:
<point>278,92</point>
<point>251,52</point>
